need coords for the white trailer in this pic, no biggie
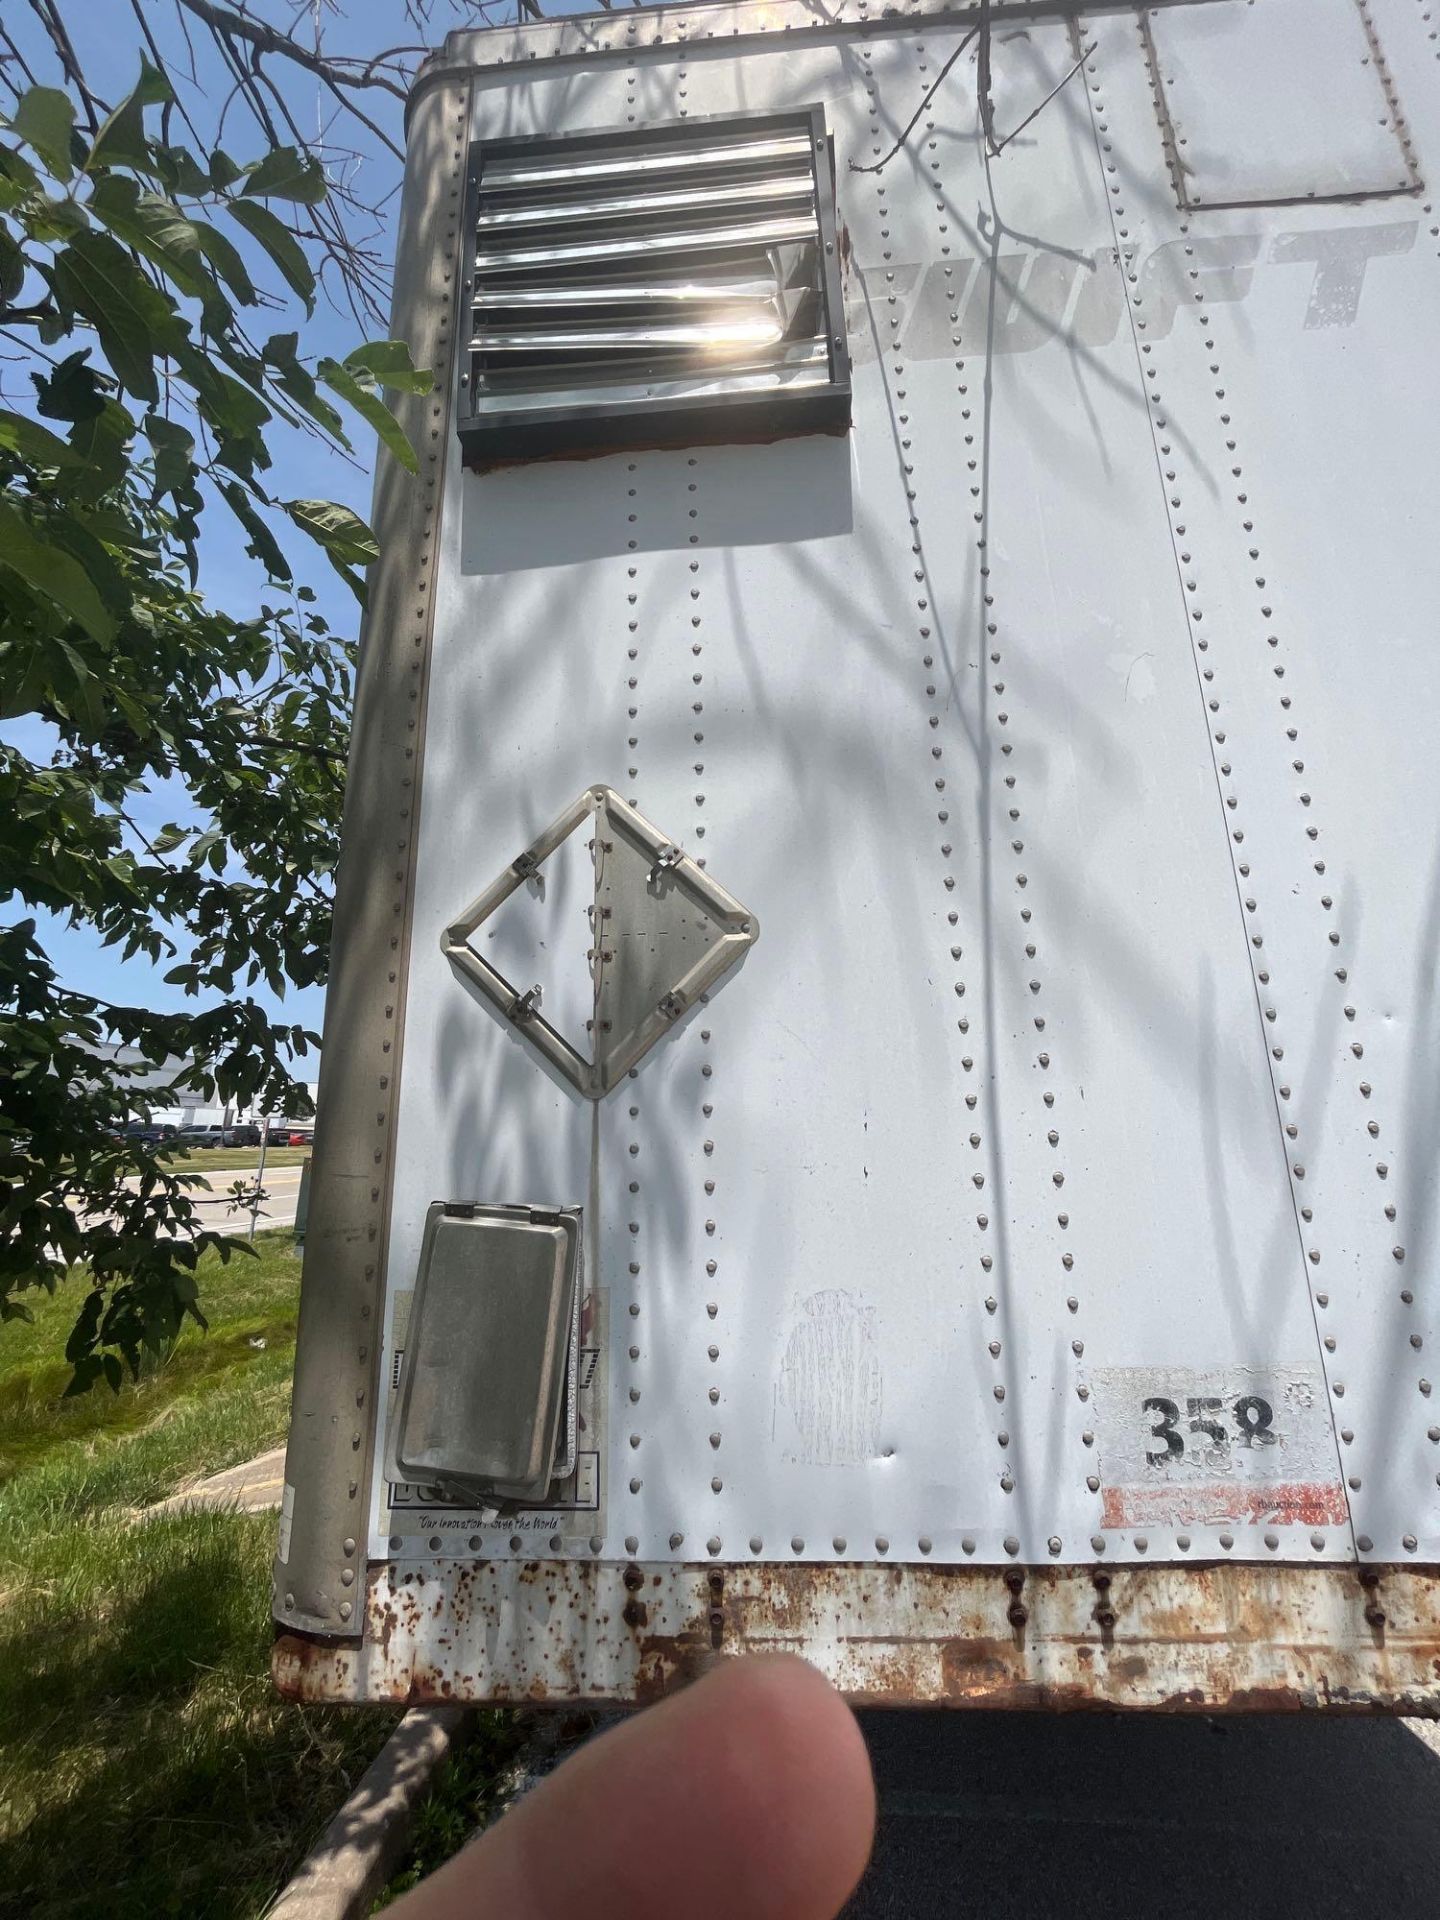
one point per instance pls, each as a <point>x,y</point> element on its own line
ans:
<point>880,1082</point>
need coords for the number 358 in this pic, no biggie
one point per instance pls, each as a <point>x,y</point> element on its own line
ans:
<point>1251,1416</point>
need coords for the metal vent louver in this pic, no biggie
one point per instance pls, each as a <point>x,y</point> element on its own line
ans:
<point>656,287</point>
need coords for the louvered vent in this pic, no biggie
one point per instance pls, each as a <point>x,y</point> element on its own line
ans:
<point>662,287</point>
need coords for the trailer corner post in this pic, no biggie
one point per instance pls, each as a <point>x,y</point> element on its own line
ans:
<point>319,1567</point>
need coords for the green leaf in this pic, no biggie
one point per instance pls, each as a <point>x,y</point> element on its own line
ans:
<point>223,171</point>
<point>262,545</point>
<point>156,228</point>
<point>388,361</point>
<point>281,245</point>
<point>53,575</point>
<point>358,388</point>
<point>87,1372</point>
<point>97,278</point>
<point>103,445</point>
<point>73,391</point>
<point>286,174</point>
<point>33,443</point>
<point>44,119</point>
<point>227,263</point>
<point>234,410</point>
<point>86,1327</point>
<point>50,220</point>
<point>18,175</point>
<point>12,267</point>
<point>174,451</point>
<point>121,140</point>
<point>181,172</point>
<point>296,382</point>
<point>343,534</point>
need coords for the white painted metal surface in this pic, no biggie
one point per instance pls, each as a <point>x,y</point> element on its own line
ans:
<point>1069,729</point>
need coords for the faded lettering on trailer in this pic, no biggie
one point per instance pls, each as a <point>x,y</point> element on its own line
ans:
<point>1023,298</point>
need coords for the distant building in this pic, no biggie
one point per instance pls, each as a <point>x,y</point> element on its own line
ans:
<point>169,1108</point>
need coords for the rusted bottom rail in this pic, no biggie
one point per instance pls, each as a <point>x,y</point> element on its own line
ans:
<point>1203,1638</point>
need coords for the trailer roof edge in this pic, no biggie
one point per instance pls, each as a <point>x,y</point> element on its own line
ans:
<point>595,35</point>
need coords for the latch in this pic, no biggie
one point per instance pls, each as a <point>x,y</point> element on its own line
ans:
<point>527,1003</point>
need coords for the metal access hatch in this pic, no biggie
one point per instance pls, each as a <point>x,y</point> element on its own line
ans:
<point>490,1349</point>
<point>1013,1278</point>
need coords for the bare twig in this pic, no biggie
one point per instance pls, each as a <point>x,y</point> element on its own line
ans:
<point>155,55</point>
<point>18,57</point>
<point>914,119</point>
<point>999,146</point>
<point>49,17</point>
<point>239,25</point>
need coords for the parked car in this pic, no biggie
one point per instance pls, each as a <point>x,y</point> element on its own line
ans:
<point>300,1137</point>
<point>244,1135</point>
<point>200,1137</point>
<point>147,1133</point>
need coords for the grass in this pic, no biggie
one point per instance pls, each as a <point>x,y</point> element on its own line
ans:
<point>146,1765</point>
<point>227,1159</point>
<point>464,1795</point>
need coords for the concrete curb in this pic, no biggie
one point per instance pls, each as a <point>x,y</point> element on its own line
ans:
<point>362,1845</point>
<point>253,1487</point>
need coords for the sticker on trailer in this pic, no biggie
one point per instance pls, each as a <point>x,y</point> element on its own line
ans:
<point>1180,1446</point>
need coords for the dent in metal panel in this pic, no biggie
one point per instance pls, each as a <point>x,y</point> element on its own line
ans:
<point>1276,100</point>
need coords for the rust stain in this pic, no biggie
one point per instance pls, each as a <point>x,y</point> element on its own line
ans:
<point>1214,1637</point>
<point>1298,1503</point>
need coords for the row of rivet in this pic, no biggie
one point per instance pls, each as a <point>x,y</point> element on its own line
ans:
<point>1396,118</point>
<point>1016,848</point>
<point>435,455</point>
<point>1312,831</point>
<point>1304,798</point>
<point>633,1114</point>
<point>1202,640</point>
<point>1428,208</point>
<point>926,624</point>
<point>840,1545</point>
<point>572,41</point>
<point>707,1070</point>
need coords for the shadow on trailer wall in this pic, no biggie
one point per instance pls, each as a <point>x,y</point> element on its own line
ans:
<point>1015,1283</point>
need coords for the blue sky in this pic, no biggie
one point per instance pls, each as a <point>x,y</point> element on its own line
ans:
<point>109,43</point>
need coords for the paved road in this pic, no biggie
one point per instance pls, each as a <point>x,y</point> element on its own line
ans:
<point>1044,1817</point>
<point>1015,1816</point>
<point>282,1185</point>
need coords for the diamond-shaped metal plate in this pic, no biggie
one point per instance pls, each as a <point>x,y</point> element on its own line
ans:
<point>663,932</point>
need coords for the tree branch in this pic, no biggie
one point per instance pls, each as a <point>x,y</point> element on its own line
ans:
<point>267,39</point>
<point>144,25</point>
<point>49,17</point>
